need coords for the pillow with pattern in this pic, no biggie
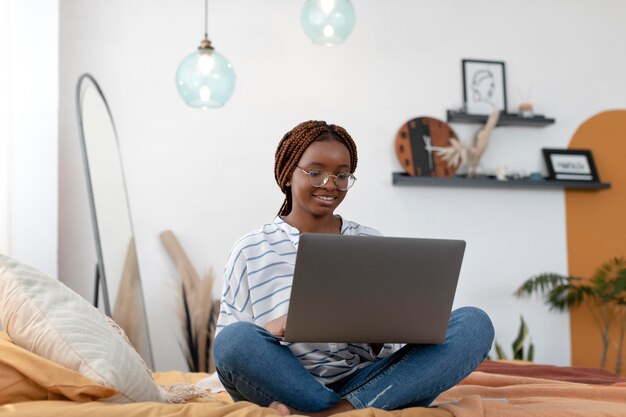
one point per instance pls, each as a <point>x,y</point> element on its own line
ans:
<point>44,316</point>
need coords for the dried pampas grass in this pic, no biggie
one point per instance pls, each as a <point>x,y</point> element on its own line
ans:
<point>129,310</point>
<point>197,314</point>
<point>197,310</point>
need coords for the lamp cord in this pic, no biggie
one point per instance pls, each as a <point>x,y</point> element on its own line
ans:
<point>206,19</point>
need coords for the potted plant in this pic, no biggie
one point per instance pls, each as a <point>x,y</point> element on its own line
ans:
<point>604,293</point>
<point>518,345</point>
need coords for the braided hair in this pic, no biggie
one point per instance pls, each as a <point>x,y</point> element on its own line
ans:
<point>293,145</point>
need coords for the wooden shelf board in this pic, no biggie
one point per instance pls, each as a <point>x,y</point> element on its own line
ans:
<point>401,178</point>
<point>505,119</point>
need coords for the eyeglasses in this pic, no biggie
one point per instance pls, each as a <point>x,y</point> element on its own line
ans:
<point>318,178</point>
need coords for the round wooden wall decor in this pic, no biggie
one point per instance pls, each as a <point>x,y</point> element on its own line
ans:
<point>416,145</point>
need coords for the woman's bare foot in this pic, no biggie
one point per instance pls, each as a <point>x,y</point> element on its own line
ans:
<point>342,406</point>
<point>280,407</point>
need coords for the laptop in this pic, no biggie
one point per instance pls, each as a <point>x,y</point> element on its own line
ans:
<point>371,289</point>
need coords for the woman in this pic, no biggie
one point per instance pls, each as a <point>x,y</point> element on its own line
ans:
<point>314,168</point>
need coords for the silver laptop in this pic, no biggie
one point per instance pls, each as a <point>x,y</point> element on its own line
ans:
<point>370,289</point>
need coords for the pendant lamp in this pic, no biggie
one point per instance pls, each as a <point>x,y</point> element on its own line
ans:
<point>205,78</point>
<point>327,22</point>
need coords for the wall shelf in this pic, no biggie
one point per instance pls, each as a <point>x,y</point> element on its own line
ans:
<point>401,178</point>
<point>505,119</point>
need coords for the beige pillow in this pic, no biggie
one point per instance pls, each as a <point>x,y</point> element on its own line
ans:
<point>42,315</point>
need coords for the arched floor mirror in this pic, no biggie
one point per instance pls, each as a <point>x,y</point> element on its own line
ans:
<point>118,288</point>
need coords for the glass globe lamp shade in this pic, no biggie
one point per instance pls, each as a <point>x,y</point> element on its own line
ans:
<point>327,22</point>
<point>205,79</point>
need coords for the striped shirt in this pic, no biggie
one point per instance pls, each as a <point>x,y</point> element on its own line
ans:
<point>257,288</point>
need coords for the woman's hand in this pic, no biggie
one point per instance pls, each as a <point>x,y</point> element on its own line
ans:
<point>277,326</point>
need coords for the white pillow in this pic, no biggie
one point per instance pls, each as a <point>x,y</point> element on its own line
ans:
<point>47,318</point>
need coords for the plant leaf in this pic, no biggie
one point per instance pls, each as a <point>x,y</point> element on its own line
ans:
<point>499,352</point>
<point>191,348</point>
<point>531,353</point>
<point>541,284</point>
<point>518,343</point>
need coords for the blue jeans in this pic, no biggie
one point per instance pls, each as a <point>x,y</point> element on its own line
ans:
<point>254,366</point>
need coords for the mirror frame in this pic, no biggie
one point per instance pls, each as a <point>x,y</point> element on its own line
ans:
<point>100,272</point>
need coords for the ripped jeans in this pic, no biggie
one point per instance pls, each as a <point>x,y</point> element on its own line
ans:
<point>254,366</point>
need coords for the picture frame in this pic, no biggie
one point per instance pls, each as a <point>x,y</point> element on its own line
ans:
<point>570,165</point>
<point>484,86</point>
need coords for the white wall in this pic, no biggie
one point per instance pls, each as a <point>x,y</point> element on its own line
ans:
<point>29,131</point>
<point>4,127</point>
<point>208,175</point>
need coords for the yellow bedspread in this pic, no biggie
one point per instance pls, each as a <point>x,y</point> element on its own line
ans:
<point>33,386</point>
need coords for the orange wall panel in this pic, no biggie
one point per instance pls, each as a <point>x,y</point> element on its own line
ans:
<point>596,225</point>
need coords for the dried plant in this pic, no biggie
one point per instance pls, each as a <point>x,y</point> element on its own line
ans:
<point>456,154</point>
<point>128,310</point>
<point>197,311</point>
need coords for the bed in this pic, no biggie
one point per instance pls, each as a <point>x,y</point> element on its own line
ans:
<point>60,356</point>
<point>31,385</point>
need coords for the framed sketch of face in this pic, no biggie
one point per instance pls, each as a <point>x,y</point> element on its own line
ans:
<point>484,86</point>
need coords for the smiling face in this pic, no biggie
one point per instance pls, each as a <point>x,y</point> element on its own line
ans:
<point>310,202</point>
